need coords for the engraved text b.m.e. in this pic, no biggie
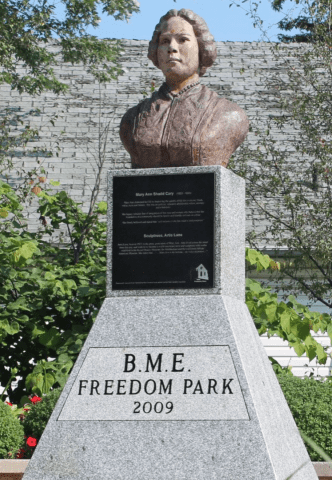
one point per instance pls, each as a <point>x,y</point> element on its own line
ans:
<point>156,364</point>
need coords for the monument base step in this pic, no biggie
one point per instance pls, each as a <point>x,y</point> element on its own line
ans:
<point>14,469</point>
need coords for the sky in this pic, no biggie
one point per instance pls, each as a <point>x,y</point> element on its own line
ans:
<point>226,24</point>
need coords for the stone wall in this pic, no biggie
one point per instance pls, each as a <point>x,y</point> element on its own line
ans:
<point>238,74</point>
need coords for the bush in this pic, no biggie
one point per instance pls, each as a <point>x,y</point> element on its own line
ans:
<point>39,414</point>
<point>310,403</point>
<point>11,432</point>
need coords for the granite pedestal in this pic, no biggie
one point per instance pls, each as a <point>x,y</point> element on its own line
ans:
<point>174,383</point>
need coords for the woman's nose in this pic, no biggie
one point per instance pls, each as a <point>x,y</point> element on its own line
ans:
<point>172,46</point>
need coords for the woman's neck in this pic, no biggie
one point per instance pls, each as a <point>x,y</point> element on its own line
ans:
<point>176,85</point>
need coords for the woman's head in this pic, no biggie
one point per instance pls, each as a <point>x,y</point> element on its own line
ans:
<point>206,45</point>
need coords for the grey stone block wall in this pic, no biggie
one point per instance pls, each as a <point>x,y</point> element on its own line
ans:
<point>89,107</point>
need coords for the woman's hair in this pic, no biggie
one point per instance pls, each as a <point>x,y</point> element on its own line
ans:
<point>206,43</point>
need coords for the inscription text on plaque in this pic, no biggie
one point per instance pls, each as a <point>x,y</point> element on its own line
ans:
<point>163,231</point>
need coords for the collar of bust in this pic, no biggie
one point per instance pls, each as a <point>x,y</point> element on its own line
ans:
<point>165,90</point>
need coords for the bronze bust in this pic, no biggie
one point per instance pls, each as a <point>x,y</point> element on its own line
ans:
<point>184,123</point>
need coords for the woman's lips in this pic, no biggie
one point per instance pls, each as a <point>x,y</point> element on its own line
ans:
<point>174,60</point>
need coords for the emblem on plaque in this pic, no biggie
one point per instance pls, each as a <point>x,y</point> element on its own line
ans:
<point>202,274</point>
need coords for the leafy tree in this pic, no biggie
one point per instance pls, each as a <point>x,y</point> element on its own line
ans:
<point>27,26</point>
<point>49,294</point>
<point>289,184</point>
<point>314,13</point>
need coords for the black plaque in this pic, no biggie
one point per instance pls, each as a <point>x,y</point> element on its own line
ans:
<point>163,232</point>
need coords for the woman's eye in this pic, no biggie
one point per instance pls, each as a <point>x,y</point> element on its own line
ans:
<point>184,39</point>
<point>164,41</point>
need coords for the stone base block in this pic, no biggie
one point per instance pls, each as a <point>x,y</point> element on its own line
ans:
<point>223,416</point>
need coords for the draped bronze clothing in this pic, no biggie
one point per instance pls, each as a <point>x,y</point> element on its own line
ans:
<point>195,127</point>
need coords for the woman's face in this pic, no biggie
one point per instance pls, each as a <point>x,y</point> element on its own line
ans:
<point>178,52</point>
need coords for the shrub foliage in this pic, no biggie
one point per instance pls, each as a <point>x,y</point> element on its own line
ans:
<point>310,403</point>
<point>11,432</point>
<point>39,414</point>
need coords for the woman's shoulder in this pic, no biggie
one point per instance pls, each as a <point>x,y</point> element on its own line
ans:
<point>133,112</point>
<point>131,118</point>
<point>127,126</point>
<point>224,127</point>
<point>229,112</point>
<point>221,105</point>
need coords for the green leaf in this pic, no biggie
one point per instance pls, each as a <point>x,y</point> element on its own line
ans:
<point>285,321</point>
<point>68,284</point>
<point>102,208</point>
<point>37,331</point>
<point>42,378</point>
<point>83,291</point>
<point>49,276</point>
<point>299,348</point>
<point>10,328</point>
<point>321,354</point>
<point>278,369</point>
<point>64,359</point>
<point>256,258</point>
<point>51,338</point>
<point>300,328</point>
<point>329,330</point>
<point>24,252</point>
<point>254,286</point>
<point>310,347</point>
<point>64,365</point>
<point>25,400</point>
<point>43,383</point>
<point>270,310</point>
